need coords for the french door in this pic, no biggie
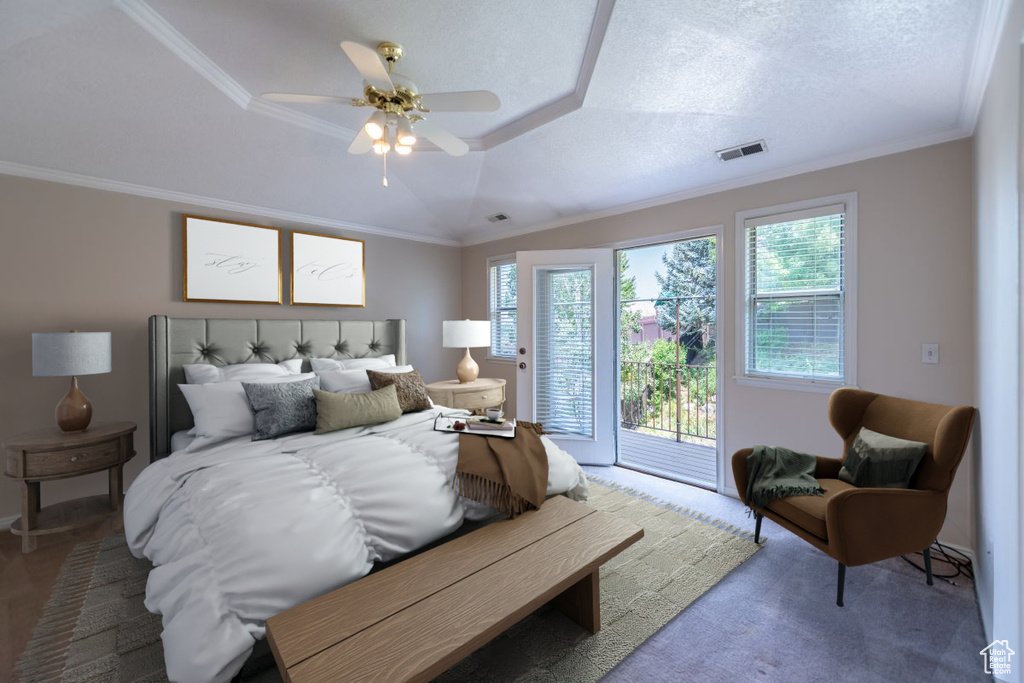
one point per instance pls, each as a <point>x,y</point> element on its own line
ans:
<point>566,352</point>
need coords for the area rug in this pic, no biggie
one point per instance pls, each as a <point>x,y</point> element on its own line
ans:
<point>96,628</point>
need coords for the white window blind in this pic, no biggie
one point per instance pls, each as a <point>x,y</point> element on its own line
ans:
<point>795,273</point>
<point>502,306</point>
<point>564,330</point>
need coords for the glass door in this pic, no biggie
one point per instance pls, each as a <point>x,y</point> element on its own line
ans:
<point>668,359</point>
<point>566,353</point>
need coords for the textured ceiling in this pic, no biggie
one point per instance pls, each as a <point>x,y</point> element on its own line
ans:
<point>605,103</point>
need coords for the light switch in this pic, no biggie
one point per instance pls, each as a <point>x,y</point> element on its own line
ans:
<point>929,353</point>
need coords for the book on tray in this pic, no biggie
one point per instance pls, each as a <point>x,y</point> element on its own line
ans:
<point>484,423</point>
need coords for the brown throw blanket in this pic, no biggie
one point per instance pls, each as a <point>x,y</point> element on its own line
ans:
<point>510,475</point>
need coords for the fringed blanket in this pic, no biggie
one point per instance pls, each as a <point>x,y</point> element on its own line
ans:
<point>510,475</point>
<point>774,472</point>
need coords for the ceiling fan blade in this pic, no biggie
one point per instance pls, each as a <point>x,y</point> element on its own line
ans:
<point>469,100</point>
<point>440,137</point>
<point>369,65</point>
<point>305,99</point>
<point>361,144</point>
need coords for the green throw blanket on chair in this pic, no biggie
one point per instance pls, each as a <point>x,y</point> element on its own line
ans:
<point>774,472</point>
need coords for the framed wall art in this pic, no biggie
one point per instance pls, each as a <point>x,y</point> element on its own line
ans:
<point>327,270</point>
<point>229,262</point>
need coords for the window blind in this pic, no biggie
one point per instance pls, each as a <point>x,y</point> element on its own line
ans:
<point>564,330</point>
<point>502,307</point>
<point>795,295</point>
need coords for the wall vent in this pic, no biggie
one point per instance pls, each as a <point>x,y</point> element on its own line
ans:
<point>497,218</point>
<point>744,150</point>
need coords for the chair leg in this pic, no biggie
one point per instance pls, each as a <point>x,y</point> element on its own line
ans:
<point>928,565</point>
<point>757,527</point>
<point>840,585</point>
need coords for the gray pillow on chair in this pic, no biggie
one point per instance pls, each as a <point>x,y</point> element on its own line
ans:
<point>879,461</point>
<point>282,408</point>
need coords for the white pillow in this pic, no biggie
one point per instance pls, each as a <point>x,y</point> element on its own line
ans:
<point>221,410</point>
<point>353,381</point>
<point>204,373</point>
<point>377,363</point>
<point>331,365</point>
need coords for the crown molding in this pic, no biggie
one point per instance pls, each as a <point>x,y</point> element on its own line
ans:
<point>66,178</point>
<point>569,103</point>
<point>158,27</point>
<point>259,105</point>
<point>161,29</point>
<point>886,149</point>
<point>986,44</point>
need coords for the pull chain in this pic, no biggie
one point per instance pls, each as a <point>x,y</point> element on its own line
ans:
<point>384,180</point>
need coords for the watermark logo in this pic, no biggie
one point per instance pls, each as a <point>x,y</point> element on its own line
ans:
<point>997,658</point>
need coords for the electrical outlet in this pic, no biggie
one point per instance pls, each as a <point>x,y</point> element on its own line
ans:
<point>929,353</point>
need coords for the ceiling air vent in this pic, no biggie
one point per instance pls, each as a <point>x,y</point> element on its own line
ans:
<point>497,218</point>
<point>741,150</point>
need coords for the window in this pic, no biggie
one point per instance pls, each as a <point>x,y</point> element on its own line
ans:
<point>501,306</point>
<point>564,380</point>
<point>797,294</point>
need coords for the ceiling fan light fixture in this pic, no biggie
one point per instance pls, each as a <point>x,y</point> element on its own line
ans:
<point>375,126</point>
<point>381,145</point>
<point>402,149</point>
<point>404,134</point>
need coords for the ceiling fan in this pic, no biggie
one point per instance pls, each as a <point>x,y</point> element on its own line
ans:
<point>399,105</point>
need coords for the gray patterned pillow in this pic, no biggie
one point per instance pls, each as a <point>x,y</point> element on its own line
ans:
<point>412,392</point>
<point>282,408</point>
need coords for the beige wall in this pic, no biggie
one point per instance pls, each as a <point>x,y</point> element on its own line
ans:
<point>916,277</point>
<point>75,258</point>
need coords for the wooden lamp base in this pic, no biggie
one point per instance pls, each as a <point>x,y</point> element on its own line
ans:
<point>467,370</point>
<point>74,412</point>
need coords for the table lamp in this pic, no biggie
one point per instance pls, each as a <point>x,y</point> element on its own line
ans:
<point>458,334</point>
<point>60,354</point>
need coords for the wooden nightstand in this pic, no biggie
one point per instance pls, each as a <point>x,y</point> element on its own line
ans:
<point>47,454</point>
<point>483,393</point>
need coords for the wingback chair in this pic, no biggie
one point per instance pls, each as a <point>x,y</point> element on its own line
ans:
<point>858,526</point>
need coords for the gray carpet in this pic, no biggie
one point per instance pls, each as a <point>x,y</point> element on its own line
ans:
<point>95,627</point>
<point>775,619</point>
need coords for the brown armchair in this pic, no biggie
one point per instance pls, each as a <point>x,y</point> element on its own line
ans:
<point>862,525</point>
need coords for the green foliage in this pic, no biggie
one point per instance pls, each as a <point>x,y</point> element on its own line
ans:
<point>690,272</point>
<point>799,255</point>
<point>648,391</point>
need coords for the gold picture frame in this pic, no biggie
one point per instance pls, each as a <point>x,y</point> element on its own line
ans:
<point>229,261</point>
<point>327,270</point>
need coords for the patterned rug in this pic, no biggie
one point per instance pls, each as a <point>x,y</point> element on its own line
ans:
<point>96,628</point>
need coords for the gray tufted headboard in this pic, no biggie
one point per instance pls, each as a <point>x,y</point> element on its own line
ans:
<point>176,341</point>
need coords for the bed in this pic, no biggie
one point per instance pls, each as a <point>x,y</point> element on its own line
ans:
<point>241,530</point>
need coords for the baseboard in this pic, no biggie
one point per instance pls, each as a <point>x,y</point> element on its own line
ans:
<point>6,522</point>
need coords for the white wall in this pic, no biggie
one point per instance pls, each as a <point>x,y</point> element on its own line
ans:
<point>997,159</point>
<point>916,280</point>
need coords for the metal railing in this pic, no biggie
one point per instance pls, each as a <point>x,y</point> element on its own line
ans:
<point>666,398</point>
<point>669,398</point>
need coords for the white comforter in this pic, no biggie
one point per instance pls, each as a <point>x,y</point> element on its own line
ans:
<point>245,530</point>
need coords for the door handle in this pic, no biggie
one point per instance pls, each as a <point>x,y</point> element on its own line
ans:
<point>522,366</point>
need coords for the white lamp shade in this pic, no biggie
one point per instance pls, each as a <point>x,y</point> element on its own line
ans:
<point>62,354</point>
<point>464,334</point>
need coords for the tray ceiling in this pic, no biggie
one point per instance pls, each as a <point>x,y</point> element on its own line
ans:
<point>606,104</point>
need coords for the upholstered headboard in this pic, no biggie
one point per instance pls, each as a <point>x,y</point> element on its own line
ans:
<point>174,342</point>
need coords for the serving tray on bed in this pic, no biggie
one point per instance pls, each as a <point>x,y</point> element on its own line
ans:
<point>444,423</point>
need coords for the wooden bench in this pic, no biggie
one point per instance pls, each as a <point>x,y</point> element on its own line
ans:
<point>416,619</point>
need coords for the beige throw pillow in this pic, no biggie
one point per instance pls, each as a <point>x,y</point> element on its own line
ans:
<point>341,411</point>
<point>412,392</point>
